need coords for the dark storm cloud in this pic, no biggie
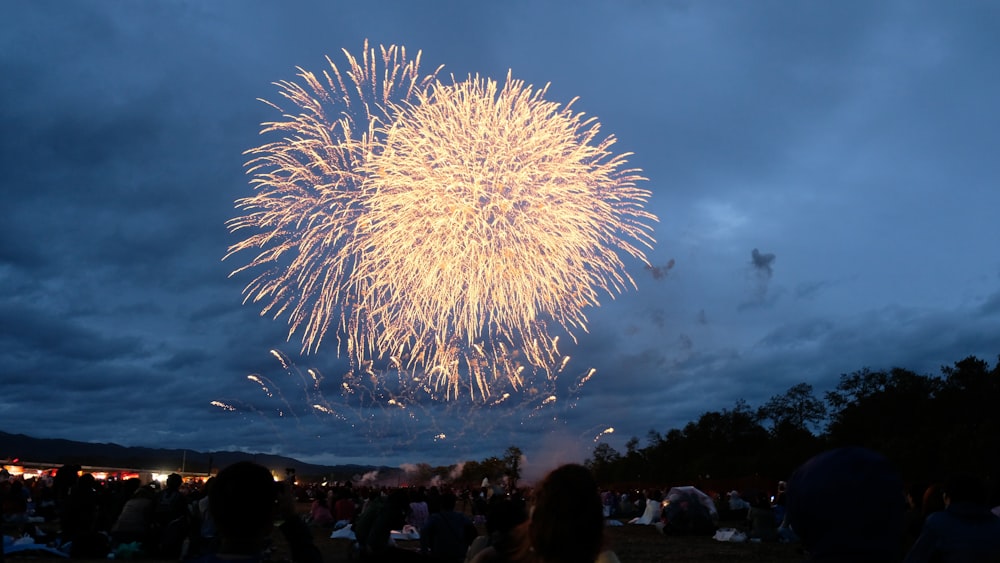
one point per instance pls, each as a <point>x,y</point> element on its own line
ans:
<point>799,334</point>
<point>809,290</point>
<point>815,351</point>
<point>183,359</point>
<point>991,306</point>
<point>780,85</point>
<point>25,330</point>
<point>686,343</point>
<point>658,317</point>
<point>14,250</point>
<point>123,128</point>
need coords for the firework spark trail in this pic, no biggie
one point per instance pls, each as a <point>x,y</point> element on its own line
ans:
<point>307,204</point>
<point>317,377</point>
<point>244,408</point>
<point>444,226</point>
<point>291,370</point>
<point>259,381</point>
<point>267,385</point>
<point>577,385</point>
<point>603,433</point>
<point>395,417</point>
<point>223,406</point>
<point>364,396</point>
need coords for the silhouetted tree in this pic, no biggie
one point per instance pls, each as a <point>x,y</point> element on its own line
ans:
<point>797,407</point>
<point>966,408</point>
<point>603,462</point>
<point>512,466</point>
<point>737,443</point>
<point>891,412</point>
<point>928,426</point>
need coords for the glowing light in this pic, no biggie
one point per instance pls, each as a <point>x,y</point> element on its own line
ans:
<point>603,433</point>
<point>445,227</point>
<point>308,204</point>
<point>316,376</point>
<point>394,414</point>
<point>256,379</point>
<point>492,209</point>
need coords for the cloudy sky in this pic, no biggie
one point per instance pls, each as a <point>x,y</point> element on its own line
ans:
<point>821,173</point>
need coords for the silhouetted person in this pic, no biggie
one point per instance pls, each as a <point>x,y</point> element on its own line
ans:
<point>913,516</point>
<point>847,505</point>
<point>375,525</point>
<point>965,531</point>
<point>566,524</point>
<point>171,518</point>
<point>933,500</point>
<point>244,502</point>
<point>448,533</point>
<point>502,517</point>
<point>762,521</point>
<point>319,513</point>
<point>79,520</point>
<point>345,508</point>
<point>136,517</point>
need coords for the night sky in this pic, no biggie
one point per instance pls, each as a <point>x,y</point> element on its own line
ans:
<point>822,174</point>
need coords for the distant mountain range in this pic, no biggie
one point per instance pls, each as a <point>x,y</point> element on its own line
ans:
<point>59,452</point>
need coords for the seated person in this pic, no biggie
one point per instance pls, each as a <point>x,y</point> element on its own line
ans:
<point>966,530</point>
<point>847,504</point>
<point>762,520</point>
<point>244,502</point>
<point>319,513</point>
<point>448,533</point>
<point>502,518</point>
<point>566,523</point>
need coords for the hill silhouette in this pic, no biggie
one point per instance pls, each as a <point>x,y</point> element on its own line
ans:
<point>57,451</point>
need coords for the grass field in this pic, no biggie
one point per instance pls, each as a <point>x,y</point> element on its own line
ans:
<point>636,544</point>
<point>632,544</point>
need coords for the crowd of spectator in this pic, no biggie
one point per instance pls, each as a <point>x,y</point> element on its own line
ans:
<point>848,504</point>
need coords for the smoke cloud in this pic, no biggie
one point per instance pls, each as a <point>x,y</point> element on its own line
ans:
<point>762,268</point>
<point>660,272</point>
<point>762,263</point>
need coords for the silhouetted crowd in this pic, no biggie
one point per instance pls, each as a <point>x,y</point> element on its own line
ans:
<point>847,504</point>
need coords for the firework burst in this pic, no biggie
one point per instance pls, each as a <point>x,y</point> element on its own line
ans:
<point>308,203</point>
<point>492,210</point>
<point>443,227</point>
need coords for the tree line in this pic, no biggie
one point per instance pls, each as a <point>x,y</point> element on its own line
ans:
<point>929,426</point>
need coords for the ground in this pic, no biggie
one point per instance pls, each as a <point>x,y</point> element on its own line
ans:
<point>636,544</point>
<point>632,544</point>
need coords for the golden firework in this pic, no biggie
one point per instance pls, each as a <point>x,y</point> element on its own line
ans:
<point>307,204</point>
<point>445,228</point>
<point>490,210</point>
